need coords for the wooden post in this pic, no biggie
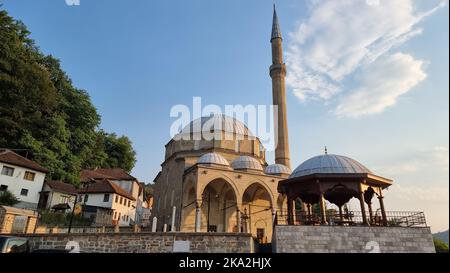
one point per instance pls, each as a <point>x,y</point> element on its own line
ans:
<point>323,211</point>
<point>363,208</point>
<point>369,205</point>
<point>383,212</point>
<point>341,217</point>
<point>290,216</point>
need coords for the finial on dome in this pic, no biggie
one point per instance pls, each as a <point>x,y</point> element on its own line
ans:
<point>326,150</point>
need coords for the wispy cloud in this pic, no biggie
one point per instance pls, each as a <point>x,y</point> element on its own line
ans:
<point>380,84</point>
<point>340,38</point>
<point>433,160</point>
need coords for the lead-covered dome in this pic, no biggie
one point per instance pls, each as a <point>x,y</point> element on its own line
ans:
<point>277,169</point>
<point>329,163</point>
<point>246,163</point>
<point>213,158</point>
<point>217,122</point>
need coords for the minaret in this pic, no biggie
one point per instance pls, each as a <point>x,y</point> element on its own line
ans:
<point>278,74</point>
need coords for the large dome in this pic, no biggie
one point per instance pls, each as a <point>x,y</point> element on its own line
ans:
<point>329,163</point>
<point>277,169</point>
<point>216,123</point>
<point>213,158</point>
<point>246,163</point>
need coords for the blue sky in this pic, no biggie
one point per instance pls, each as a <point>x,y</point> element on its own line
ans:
<point>139,58</point>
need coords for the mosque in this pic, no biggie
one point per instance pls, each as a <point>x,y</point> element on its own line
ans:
<point>225,184</point>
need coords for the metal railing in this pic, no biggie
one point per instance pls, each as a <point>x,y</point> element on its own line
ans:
<point>356,218</point>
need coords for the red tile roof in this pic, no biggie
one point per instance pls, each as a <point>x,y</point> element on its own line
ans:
<point>105,186</point>
<point>112,173</point>
<point>62,187</point>
<point>10,157</point>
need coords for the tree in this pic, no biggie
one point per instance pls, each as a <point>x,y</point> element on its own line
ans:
<point>40,110</point>
<point>440,246</point>
<point>120,152</point>
<point>7,198</point>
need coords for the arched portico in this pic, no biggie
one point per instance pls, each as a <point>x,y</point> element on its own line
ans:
<point>217,205</point>
<point>258,206</point>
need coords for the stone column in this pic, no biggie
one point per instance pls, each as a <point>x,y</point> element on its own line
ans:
<point>174,212</point>
<point>383,211</point>
<point>198,217</point>
<point>238,219</point>
<point>274,213</point>
<point>154,223</point>
<point>323,211</point>
<point>363,207</point>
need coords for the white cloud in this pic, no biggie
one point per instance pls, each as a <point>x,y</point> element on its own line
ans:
<point>380,84</point>
<point>422,193</point>
<point>433,160</point>
<point>339,37</point>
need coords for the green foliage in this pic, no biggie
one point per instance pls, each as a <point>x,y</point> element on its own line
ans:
<point>7,198</point>
<point>53,219</point>
<point>440,246</point>
<point>40,110</point>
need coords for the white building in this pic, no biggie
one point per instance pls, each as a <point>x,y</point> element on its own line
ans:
<point>21,176</point>
<point>124,181</point>
<point>106,194</point>
<point>57,195</point>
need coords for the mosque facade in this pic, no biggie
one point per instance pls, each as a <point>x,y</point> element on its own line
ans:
<point>224,183</point>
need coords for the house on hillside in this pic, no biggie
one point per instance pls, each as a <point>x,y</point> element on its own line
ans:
<point>123,180</point>
<point>57,196</point>
<point>100,194</point>
<point>21,176</point>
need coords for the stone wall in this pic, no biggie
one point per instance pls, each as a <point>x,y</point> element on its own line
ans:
<point>147,242</point>
<point>332,239</point>
<point>8,217</point>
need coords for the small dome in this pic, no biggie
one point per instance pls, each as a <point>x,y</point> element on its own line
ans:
<point>329,163</point>
<point>277,169</point>
<point>246,162</point>
<point>213,158</point>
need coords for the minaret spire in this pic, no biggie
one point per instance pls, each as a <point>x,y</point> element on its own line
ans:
<point>276,31</point>
<point>278,74</point>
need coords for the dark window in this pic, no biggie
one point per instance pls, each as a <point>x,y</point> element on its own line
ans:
<point>7,171</point>
<point>121,200</point>
<point>24,192</point>
<point>212,228</point>
<point>86,197</point>
<point>117,198</point>
<point>3,188</point>
<point>260,234</point>
<point>106,197</point>
<point>29,176</point>
<point>129,203</point>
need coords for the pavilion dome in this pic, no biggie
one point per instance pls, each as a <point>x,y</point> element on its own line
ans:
<point>329,163</point>
<point>213,158</point>
<point>277,169</point>
<point>216,122</point>
<point>246,163</point>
